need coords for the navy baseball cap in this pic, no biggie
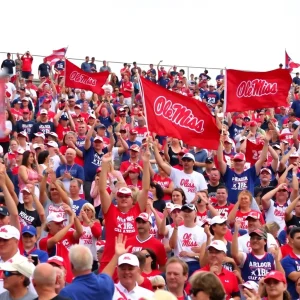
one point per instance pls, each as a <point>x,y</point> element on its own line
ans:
<point>64,117</point>
<point>4,211</point>
<point>29,229</point>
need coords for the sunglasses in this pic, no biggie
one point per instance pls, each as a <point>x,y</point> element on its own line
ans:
<point>123,195</point>
<point>59,223</point>
<point>282,190</point>
<point>156,287</point>
<point>53,189</point>
<point>147,255</point>
<point>10,273</point>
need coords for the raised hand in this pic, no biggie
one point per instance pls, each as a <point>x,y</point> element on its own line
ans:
<point>120,242</point>
<point>107,158</point>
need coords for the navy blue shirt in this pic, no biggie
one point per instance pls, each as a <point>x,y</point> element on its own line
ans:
<point>239,182</point>
<point>163,82</point>
<point>24,126</point>
<point>296,107</point>
<point>106,121</point>
<point>86,67</point>
<point>212,97</point>
<point>77,205</point>
<point>234,130</point>
<point>90,287</point>
<point>92,160</point>
<point>59,65</point>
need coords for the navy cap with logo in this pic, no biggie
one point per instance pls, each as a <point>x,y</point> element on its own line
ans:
<point>189,207</point>
<point>4,211</point>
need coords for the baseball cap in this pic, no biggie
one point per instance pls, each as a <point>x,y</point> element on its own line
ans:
<point>25,110</point>
<point>254,215</point>
<point>52,134</point>
<point>276,275</point>
<point>217,220</point>
<point>53,217</point>
<point>145,217</point>
<point>40,134</point>
<point>189,156</point>
<point>183,151</point>
<point>64,117</point>
<point>175,206</point>
<point>44,111</point>
<point>26,99</point>
<point>21,265</point>
<point>36,146</point>
<point>228,140</point>
<point>218,245</point>
<point>253,123</point>
<point>276,146</point>
<point>132,131</point>
<point>260,233</point>
<point>100,126</point>
<point>47,100</point>
<point>250,285</point>
<point>135,170</point>
<point>124,191</point>
<point>265,170</point>
<point>57,260</point>
<point>25,189</point>
<point>239,156</point>
<point>92,116</point>
<point>23,133</point>
<point>100,245</point>
<point>8,232</point>
<point>188,206</point>
<point>4,211</point>
<point>29,229</point>
<point>98,138</point>
<point>52,144</point>
<point>135,148</point>
<point>129,259</point>
<point>294,154</point>
<point>170,205</point>
<point>77,106</point>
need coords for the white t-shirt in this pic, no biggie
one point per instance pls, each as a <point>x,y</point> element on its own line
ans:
<point>276,213</point>
<point>88,240</point>
<point>10,87</point>
<point>244,242</point>
<point>136,294</point>
<point>188,237</point>
<point>190,183</point>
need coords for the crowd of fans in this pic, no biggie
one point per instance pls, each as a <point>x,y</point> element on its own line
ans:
<point>93,206</point>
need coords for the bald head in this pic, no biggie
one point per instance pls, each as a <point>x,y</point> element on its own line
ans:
<point>44,275</point>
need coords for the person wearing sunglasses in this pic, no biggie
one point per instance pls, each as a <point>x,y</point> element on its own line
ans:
<point>16,279</point>
<point>158,283</point>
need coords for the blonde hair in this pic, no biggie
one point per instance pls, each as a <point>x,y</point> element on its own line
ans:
<point>245,193</point>
<point>91,207</point>
<point>271,227</point>
<point>58,182</point>
<point>158,279</point>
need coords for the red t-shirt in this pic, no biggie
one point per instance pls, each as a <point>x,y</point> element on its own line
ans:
<point>138,184</point>
<point>152,274</point>
<point>164,182</point>
<point>61,249</point>
<point>62,131</point>
<point>26,63</point>
<point>229,281</point>
<point>178,167</point>
<point>51,115</point>
<point>286,250</point>
<point>117,222</point>
<point>126,85</point>
<point>125,165</point>
<point>224,210</point>
<point>152,243</point>
<point>78,160</point>
<point>141,133</point>
<point>242,217</point>
<point>18,114</point>
<point>146,284</point>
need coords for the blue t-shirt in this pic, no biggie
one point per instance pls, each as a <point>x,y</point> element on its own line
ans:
<point>77,205</point>
<point>59,65</point>
<point>106,121</point>
<point>255,269</point>
<point>234,130</point>
<point>92,160</point>
<point>43,255</point>
<point>90,287</point>
<point>291,263</point>
<point>212,97</point>
<point>239,182</point>
<point>85,66</point>
<point>163,82</point>
<point>296,107</point>
<point>75,170</point>
<point>125,155</point>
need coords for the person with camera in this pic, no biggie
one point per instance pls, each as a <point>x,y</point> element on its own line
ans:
<point>26,68</point>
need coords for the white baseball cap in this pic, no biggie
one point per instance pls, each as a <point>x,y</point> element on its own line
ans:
<point>129,259</point>
<point>145,217</point>
<point>25,189</point>
<point>35,146</point>
<point>44,111</point>
<point>53,217</point>
<point>189,155</point>
<point>8,232</point>
<point>21,265</point>
<point>175,206</point>
<point>52,144</point>
<point>218,245</point>
<point>217,220</point>
<point>40,134</point>
<point>250,285</point>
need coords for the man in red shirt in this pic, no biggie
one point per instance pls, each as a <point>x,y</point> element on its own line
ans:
<point>133,161</point>
<point>46,105</point>
<point>222,205</point>
<point>216,255</point>
<point>145,240</point>
<point>121,218</point>
<point>27,60</point>
<point>60,238</point>
<point>127,89</point>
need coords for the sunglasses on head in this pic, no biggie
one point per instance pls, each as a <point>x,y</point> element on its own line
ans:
<point>10,273</point>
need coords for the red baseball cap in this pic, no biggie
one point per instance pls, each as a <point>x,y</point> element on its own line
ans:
<point>183,151</point>
<point>135,148</point>
<point>25,110</point>
<point>254,215</point>
<point>145,217</point>
<point>132,131</point>
<point>239,156</point>
<point>276,275</point>
<point>57,260</point>
<point>135,170</point>
<point>253,123</point>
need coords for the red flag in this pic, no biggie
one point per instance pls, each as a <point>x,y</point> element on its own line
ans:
<point>289,64</point>
<point>175,115</point>
<point>56,55</point>
<point>253,152</point>
<point>77,78</point>
<point>255,90</point>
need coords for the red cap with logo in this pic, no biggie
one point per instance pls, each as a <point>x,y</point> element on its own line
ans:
<point>254,215</point>
<point>279,276</point>
<point>239,156</point>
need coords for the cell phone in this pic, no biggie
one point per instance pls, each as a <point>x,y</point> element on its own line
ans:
<point>35,259</point>
<point>199,200</point>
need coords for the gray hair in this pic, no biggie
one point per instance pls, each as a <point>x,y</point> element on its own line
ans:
<point>81,258</point>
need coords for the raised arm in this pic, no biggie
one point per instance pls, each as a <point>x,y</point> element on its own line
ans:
<point>266,199</point>
<point>275,157</point>
<point>87,142</point>
<point>284,159</point>
<point>221,162</point>
<point>236,255</point>
<point>104,196</point>
<point>232,214</point>
<point>111,138</point>
<point>166,167</point>
<point>263,155</point>
<point>289,210</point>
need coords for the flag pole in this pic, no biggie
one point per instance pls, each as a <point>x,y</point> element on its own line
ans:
<point>225,99</point>
<point>143,100</point>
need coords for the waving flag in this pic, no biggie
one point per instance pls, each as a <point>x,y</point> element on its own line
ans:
<point>56,55</point>
<point>76,78</point>
<point>289,64</point>
<point>255,90</point>
<point>172,114</point>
